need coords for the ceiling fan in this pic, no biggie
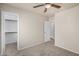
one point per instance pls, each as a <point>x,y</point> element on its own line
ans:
<point>47,5</point>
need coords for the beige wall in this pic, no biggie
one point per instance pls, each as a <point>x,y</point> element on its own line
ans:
<point>67,29</point>
<point>31,26</point>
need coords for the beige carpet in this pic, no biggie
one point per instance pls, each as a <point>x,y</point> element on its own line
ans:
<point>45,49</point>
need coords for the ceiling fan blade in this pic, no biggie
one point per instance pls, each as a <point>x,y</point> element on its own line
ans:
<point>47,3</point>
<point>45,10</point>
<point>56,6</point>
<point>38,5</point>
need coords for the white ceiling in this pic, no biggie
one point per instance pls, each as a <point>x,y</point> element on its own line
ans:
<point>40,10</point>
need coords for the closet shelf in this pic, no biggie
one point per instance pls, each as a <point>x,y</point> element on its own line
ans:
<point>9,20</point>
<point>10,32</point>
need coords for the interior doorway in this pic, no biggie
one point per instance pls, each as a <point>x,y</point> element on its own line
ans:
<point>9,32</point>
<point>49,31</point>
<point>10,36</point>
<point>46,31</point>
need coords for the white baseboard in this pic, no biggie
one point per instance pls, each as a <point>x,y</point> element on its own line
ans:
<point>66,49</point>
<point>31,46</point>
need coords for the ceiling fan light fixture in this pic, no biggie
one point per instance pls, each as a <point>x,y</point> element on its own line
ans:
<point>47,6</point>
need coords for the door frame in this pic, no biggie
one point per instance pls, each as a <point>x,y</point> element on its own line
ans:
<point>3,33</point>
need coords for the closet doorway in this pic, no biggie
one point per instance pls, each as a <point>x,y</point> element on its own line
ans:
<point>10,32</point>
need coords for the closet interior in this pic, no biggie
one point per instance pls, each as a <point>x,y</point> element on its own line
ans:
<point>9,30</point>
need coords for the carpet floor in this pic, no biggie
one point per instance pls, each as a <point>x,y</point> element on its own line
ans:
<point>45,49</point>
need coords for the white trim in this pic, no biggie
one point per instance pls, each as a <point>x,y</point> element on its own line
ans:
<point>32,45</point>
<point>2,34</point>
<point>18,33</point>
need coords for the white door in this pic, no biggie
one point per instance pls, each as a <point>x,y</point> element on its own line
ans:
<point>52,30</point>
<point>46,31</point>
